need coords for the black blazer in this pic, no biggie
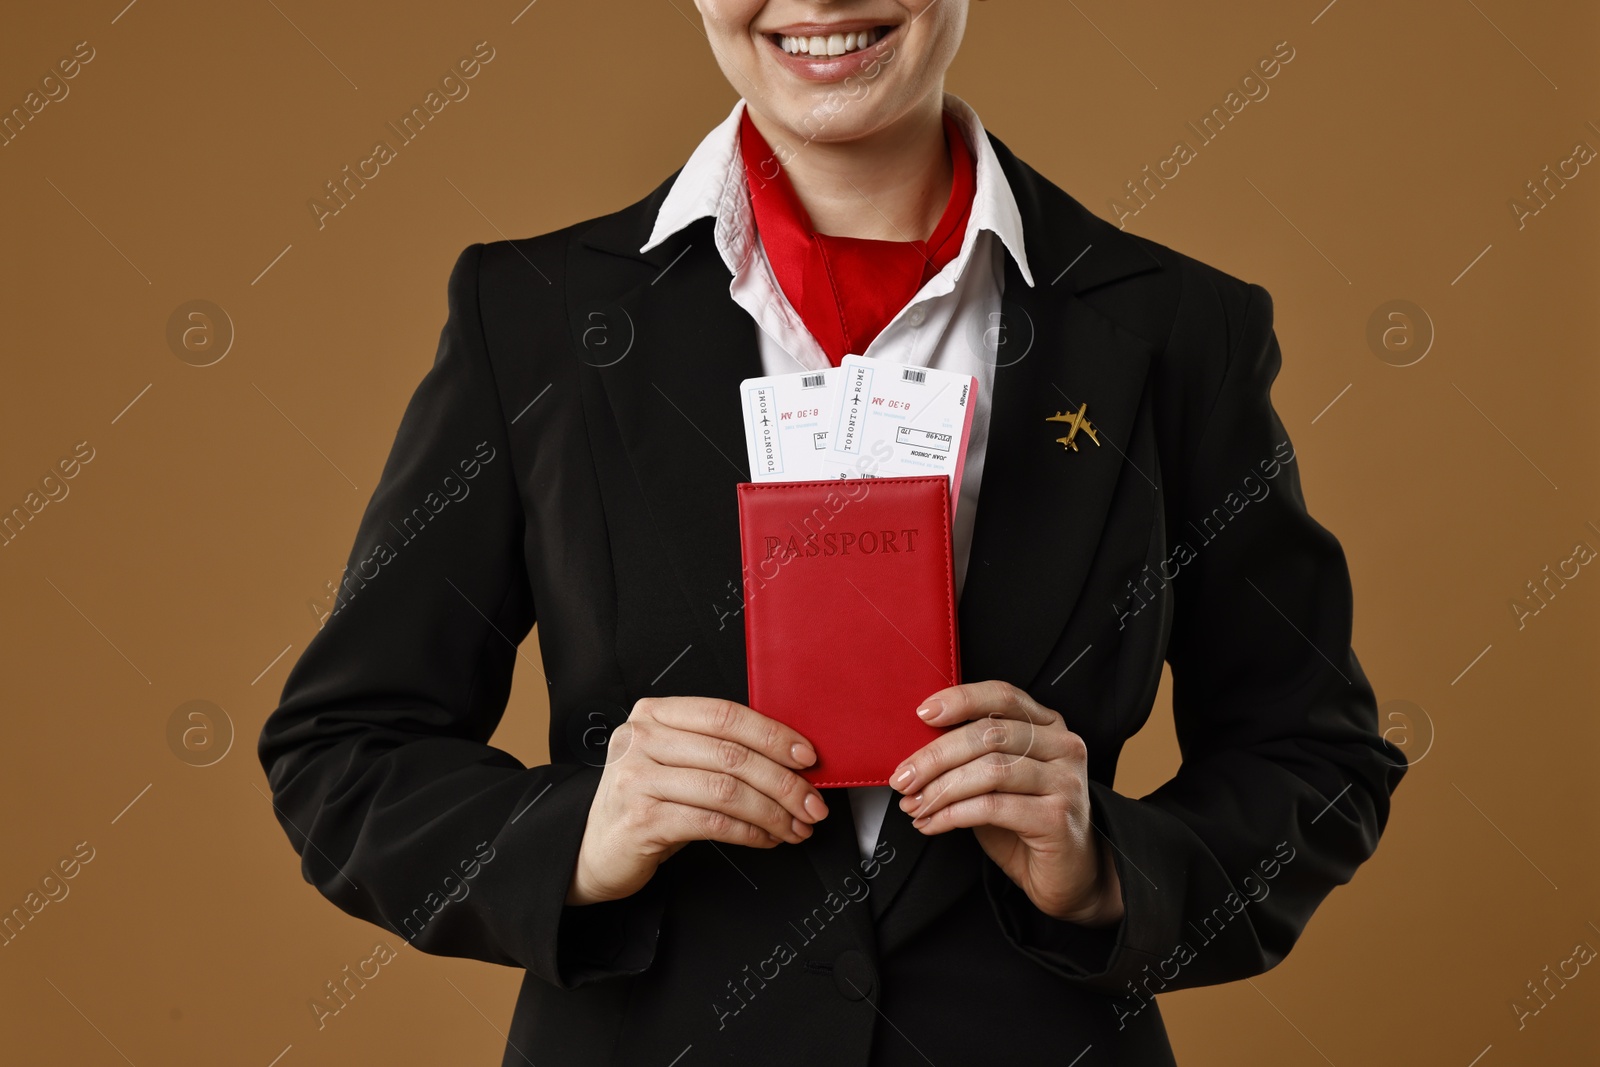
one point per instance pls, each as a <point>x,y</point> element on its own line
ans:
<point>571,458</point>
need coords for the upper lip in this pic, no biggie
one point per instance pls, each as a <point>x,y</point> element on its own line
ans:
<point>825,29</point>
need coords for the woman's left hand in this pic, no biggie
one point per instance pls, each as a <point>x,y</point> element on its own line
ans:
<point>1019,778</point>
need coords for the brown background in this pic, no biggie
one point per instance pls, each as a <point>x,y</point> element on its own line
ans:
<point>192,554</point>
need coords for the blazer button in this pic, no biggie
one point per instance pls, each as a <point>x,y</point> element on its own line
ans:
<point>853,975</point>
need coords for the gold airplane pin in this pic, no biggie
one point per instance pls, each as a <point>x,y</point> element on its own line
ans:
<point>1078,422</point>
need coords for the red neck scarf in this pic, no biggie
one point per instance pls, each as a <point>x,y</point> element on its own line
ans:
<point>846,289</point>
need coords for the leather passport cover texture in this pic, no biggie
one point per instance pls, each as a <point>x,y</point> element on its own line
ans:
<point>850,615</point>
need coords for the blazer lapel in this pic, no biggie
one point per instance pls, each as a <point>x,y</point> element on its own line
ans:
<point>670,353</point>
<point>1041,507</point>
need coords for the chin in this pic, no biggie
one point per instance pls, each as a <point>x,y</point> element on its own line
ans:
<point>853,107</point>
<point>810,120</point>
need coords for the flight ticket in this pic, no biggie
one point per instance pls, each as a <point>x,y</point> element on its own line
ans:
<point>866,418</point>
<point>786,423</point>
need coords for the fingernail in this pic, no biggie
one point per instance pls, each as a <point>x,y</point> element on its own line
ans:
<point>802,754</point>
<point>814,806</point>
<point>930,707</point>
<point>903,777</point>
<point>920,823</point>
<point>802,830</point>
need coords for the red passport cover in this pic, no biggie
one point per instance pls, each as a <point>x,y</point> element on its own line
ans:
<point>849,615</point>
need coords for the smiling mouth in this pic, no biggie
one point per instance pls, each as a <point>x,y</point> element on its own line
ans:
<point>836,44</point>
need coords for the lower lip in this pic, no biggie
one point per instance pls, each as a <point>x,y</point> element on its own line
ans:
<point>835,68</point>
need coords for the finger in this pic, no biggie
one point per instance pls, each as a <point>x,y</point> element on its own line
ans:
<point>1024,815</point>
<point>682,748</point>
<point>683,823</point>
<point>973,700</point>
<point>996,772</point>
<point>1016,738</point>
<point>734,721</point>
<point>728,796</point>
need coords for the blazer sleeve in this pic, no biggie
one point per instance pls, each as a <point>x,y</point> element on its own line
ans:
<point>378,753</point>
<point>1285,781</point>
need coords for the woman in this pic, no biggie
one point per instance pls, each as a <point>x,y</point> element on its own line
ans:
<point>674,888</point>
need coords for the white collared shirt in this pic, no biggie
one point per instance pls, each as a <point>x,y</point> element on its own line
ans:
<point>949,324</point>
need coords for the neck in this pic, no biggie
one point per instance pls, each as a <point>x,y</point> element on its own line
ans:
<point>890,186</point>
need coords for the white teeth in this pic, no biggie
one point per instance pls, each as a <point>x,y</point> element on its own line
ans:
<point>837,44</point>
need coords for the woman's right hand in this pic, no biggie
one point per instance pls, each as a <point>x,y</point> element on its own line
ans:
<point>687,769</point>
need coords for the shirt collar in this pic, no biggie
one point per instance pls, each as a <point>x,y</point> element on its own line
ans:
<point>712,184</point>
